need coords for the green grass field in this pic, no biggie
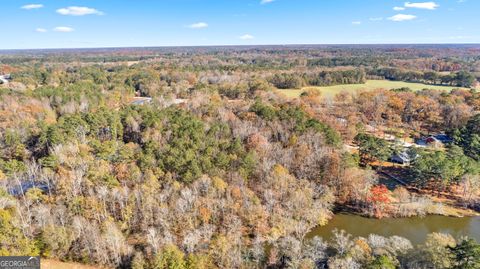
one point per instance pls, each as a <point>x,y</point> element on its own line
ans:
<point>369,85</point>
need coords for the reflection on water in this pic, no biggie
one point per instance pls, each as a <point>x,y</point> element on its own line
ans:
<point>414,229</point>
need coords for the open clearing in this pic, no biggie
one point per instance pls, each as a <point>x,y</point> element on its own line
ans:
<point>331,91</point>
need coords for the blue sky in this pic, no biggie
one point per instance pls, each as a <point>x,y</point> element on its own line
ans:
<point>117,23</point>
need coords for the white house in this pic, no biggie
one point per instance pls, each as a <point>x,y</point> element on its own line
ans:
<point>4,79</point>
<point>405,157</point>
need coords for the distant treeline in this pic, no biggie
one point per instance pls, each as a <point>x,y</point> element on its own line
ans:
<point>459,79</point>
<point>358,76</point>
<point>346,61</point>
<point>323,78</point>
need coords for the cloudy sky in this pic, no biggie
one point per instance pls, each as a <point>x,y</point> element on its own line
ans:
<point>115,23</point>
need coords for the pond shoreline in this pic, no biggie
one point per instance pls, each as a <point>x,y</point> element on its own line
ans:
<point>451,210</point>
<point>414,229</point>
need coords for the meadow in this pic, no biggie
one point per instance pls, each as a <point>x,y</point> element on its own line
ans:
<point>331,91</point>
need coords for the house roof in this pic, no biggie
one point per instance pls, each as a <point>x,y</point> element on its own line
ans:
<point>404,156</point>
<point>443,138</point>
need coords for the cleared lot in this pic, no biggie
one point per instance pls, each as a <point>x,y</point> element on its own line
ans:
<point>369,85</point>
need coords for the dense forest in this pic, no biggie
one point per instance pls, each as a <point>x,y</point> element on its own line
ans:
<point>194,158</point>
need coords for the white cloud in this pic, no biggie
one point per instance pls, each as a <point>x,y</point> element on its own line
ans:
<point>247,37</point>
<point>422,5</point>
<point>41,30</point>
<point>63,29</point>
<point>198,25</point>
<point>32,6</point>
<point>376,19</point>
<point>402,17</point>
<point>398,8</point>
<point>263,2</point>
<point>356,22</point>
<point>78,11</point>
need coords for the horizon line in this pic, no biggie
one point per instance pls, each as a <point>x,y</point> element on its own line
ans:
<point>239,45</point>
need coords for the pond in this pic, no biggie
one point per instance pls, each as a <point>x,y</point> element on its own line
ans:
<point>414,229</point>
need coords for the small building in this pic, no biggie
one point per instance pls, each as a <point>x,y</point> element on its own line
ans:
<point>138,101</point>
<point>4,79</point>
<point>178,101</point>
<point>341,121</point>
<point>435,140</point>
<point>443,138</point>
<point>404,158</point>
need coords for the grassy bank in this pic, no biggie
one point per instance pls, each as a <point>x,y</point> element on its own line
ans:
<point>369,85</point>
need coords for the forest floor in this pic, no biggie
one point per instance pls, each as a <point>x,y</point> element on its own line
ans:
<point>54,264</point>
<point>331,91</point>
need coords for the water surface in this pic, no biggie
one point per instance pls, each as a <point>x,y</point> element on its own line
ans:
<point>414,229</point>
